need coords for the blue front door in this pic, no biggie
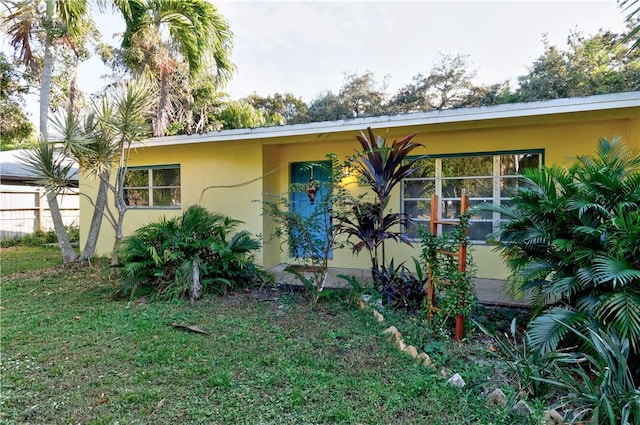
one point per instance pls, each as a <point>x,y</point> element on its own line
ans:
<point>318,212</point>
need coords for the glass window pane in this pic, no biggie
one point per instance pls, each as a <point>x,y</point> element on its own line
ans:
<point>166,197</point>
<point>467,166</point>
<point>136,197</point>
<point>514,164</point>
<point>419,188</point>
<point>426,168</point>
<point>411,228</point>
<point>509,186</point>
<point>136,178</point>
<point>450,209</point>
<point>476,188</point>
<point>480,215</point>
<point>418,209</point>
<point>166,177</point>
<point>479,230</point>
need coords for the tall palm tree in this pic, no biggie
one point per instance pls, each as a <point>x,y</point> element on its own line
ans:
<point>46,23</point>
<point>35,28</point>
<point>160,35</point>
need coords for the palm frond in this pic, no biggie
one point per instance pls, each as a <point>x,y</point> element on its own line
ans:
<point>546,330</point>
<point>616,272</point>
<point>621,311</point>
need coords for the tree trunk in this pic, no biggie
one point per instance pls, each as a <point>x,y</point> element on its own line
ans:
<point>68,254</point>
<point>45,82</point>
<point>160,126</point>
<point>96,220</point>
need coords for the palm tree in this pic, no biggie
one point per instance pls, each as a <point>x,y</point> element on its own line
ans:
<point>197,35</point>
<point>34,25</point>
<point>571,237</point>
<point>116,121</point>
<point>632,7</point>
<point>52,23</point>
<point>53,173</point>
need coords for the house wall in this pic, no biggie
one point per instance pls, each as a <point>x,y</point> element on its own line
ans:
<point>223,177</point>
<point>561,141</point>
<point>244,170</point>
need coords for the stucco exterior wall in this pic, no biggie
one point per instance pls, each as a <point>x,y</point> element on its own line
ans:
<point>223,177</point>
<point>230,176</point>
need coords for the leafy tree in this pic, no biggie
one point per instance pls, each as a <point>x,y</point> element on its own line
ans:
<point>17,130</point>
<point>571,237</point>
<point>328,107</point>
<point>37,29</point>
<point>240,114</point>
<point>160,35</point>
<point>593,65</point>
<point>287,107</point>
<point>447,85</point>
<point>361,96</point>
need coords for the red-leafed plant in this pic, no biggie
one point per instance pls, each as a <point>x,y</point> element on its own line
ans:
<point>382,166</point>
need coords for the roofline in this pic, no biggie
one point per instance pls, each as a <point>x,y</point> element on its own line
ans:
<point>510,110</point>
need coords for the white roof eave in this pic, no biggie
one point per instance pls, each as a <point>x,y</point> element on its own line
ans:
<point>513,110</point>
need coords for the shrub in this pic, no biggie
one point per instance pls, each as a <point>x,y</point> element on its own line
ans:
<point>599,384</point>
<point>39,238</point>
<point>571,237</point>
<point>186,255</point>
<point>399,288</point>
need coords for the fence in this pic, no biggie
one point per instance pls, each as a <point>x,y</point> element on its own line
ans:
<point>24,209</point>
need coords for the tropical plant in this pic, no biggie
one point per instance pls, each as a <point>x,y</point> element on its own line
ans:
<point>382,167</point>
<point>632,7</point>
<point>186,255</point>
<point>528,366</point>
<point>162,36</point>
<point>399,288</point>
<point>53,171</point>
<point>454,287</point>
<point>598,385</point>
<point>311,238</point>
<point>570,236</point>
<point>35,29</point>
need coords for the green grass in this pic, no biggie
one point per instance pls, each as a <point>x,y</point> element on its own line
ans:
<point>71,354</point>
<point>28,258</point>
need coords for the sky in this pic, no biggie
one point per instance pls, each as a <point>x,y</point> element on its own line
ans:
<point>307,47</point>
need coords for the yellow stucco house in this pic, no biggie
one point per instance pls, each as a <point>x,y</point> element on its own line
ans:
<point>479,148</point>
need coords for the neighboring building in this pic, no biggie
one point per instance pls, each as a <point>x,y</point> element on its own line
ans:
<point>23,205</point>
<point>480,149</point>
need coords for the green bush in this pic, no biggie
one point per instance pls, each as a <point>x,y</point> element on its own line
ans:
<point>39,238</point>
<point>599,385</point>
<point>186,255</point>
<point>571,237</point>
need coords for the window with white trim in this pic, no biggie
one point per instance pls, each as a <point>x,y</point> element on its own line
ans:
<point>486,177</point>
<point>152,187</point>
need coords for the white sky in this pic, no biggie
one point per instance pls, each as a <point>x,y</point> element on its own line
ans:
<point>306,47</point>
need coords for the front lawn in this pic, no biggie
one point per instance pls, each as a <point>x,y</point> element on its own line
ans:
<point>71,354</point>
